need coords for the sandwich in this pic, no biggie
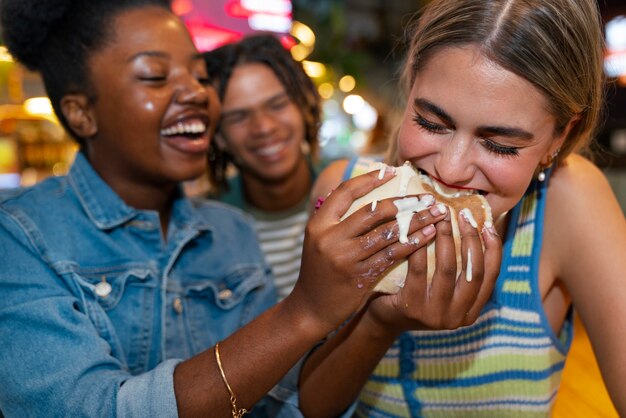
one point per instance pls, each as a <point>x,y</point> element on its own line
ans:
<point>407,186</point>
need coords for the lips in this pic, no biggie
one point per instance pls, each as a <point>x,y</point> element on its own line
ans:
<point>452,190</point>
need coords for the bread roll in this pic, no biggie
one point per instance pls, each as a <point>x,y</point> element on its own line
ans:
<point>410,182</point>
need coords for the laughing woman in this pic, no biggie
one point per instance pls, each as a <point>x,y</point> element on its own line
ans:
<point>121,297</point>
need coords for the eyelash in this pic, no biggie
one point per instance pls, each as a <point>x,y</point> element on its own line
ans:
<point>152,79</point>
<point>490,145</point>
<point>499,149</point>
<point>205,81</point>
<point>428,125</point>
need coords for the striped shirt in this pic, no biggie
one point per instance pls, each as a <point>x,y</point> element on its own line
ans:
<point>281,235</point>
<point>507,364</point>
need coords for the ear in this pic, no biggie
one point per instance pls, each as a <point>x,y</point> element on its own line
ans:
<point>560,140</point>
<point>78,112</point>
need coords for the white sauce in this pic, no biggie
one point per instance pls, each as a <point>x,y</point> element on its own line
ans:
<point>406,173</point>
<point>468,270</point>
<point>406,208</point>
<point>467,215</point>
<point>381,172</point>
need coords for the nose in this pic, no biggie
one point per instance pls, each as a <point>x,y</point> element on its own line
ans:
<point>261,122</point>
<point>192,91</point>
<point>455,163</point>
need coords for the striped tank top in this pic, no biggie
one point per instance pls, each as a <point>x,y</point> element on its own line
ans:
<point>507,364</point>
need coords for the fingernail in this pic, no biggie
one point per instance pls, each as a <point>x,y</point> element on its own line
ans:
<point>488,226</point>
<point>428,230</point>
<point>438,209</point>
<point>466,214</point>
<point>427,200</point>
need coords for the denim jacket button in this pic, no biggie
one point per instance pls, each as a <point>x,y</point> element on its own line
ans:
<point>103,289</point>
<point>225,294</point>
<point>178,305</point>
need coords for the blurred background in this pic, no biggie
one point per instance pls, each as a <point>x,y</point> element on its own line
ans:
<point>351,48</point>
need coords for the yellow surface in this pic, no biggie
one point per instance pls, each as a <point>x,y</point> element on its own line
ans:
<point>582,393</point>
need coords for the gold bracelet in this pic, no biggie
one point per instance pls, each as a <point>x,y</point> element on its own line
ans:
<point>237,413</point>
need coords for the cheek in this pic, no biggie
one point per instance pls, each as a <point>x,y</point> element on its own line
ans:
<point>234,137</point>
<point>298,126</point>
<point>413,143</point>
<point>509,181</point>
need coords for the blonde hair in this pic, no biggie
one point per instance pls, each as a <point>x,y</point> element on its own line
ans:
<point>557,45</point>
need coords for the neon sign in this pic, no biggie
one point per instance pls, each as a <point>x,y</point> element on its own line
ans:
<point>214,23</point>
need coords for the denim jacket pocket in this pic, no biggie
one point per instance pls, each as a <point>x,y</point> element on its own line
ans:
<point>120,303</point>
<point>228,291</point>
<point>208,301</point>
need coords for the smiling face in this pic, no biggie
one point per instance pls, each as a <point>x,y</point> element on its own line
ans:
<point>261,127</point>
<point>469,123</point>
<point>154,111</point>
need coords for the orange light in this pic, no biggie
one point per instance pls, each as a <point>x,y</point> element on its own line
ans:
<point>182,7</point>
<point>236,9</point>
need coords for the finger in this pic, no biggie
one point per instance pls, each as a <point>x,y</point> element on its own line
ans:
<point>373,215</point>
<point>471,250</point>
<point>492,261</point>
<point>389,257</point>
<point>402,230</point>
<point>415,291</point>
<point>444,278</point>
<point>340,200</point>
<point>471,276</point>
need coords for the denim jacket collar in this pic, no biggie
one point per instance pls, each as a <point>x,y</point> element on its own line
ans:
<point>107,210</point>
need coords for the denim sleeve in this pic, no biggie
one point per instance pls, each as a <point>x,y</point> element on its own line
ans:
<point>156,385</point>
<point>53,363</point>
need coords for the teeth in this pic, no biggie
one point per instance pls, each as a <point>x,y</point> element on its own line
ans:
<point>270,150</point>
<point>184,128</point>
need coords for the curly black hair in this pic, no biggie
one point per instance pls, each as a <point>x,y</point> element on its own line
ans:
<point>56,38</point>
<point>264,48</point>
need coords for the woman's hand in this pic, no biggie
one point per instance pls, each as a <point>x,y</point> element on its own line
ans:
<point>453,299</point>
<point>343,260</point>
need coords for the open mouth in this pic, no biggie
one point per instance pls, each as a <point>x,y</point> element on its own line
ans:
<point>187,129</point>
<point>270,150</point>
<point>188,136</point>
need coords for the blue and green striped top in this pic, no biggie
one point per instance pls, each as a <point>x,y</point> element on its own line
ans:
<point>507,364</point>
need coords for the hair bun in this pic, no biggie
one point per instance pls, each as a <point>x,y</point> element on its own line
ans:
<point>26,25</point>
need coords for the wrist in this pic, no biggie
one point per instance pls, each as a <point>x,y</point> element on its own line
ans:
<point>378,329</point>
<point>303,321</point>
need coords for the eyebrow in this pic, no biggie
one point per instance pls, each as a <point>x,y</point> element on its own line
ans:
<point>160,54</point>
<point>277,96</point>
<point>505,131</point>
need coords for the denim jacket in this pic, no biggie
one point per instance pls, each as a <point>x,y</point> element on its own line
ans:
<point>97,309</point>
